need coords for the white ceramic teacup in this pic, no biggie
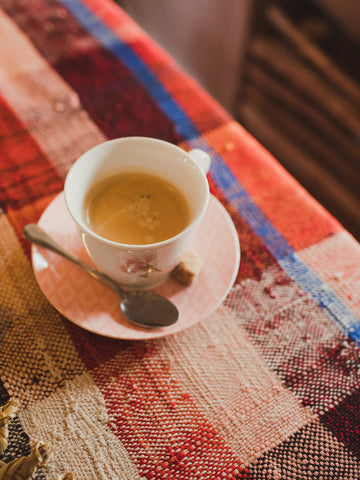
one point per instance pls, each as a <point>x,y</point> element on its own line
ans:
<point>138,266</point>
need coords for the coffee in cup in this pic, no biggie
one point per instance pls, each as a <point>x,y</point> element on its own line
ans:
<point>136,208</point>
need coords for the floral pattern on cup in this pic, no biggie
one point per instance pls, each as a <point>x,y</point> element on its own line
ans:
<point>137,264</point>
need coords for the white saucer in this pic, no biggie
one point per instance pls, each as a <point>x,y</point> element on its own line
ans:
<point>92,306</point>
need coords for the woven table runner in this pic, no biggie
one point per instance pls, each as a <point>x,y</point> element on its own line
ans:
<point>266,387</point>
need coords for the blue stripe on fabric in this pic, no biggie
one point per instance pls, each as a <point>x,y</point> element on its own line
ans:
<point>292,264</point>
<point>322,294</point>
<point>185,127</point>
<point>319,291</point>
<point>241,200</point>
<point>354,332</point>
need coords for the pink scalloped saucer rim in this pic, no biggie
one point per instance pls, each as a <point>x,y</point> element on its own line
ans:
<point>94,307</point>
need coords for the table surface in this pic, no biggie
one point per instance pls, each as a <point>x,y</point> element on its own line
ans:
<point>267,385</point>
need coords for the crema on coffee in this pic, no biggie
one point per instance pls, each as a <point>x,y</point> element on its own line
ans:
<point>136,208</point>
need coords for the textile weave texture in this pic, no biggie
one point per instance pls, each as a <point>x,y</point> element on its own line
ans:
<point>267,387</point>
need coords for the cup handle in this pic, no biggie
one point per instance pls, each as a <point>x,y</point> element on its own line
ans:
<point>202,159</point>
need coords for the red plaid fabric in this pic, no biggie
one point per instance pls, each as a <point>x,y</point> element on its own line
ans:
<point>267,387</point>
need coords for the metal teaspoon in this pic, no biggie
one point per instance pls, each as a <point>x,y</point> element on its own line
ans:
<point>143,308</point>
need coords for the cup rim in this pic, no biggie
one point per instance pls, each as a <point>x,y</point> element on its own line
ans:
<point>85,229</point>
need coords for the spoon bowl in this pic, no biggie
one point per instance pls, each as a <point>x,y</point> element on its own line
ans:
<point>143,308</point>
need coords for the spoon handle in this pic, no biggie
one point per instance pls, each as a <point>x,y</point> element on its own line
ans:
<point>37,235</point>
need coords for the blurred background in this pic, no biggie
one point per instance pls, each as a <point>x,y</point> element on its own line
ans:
<point>287,70</point>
